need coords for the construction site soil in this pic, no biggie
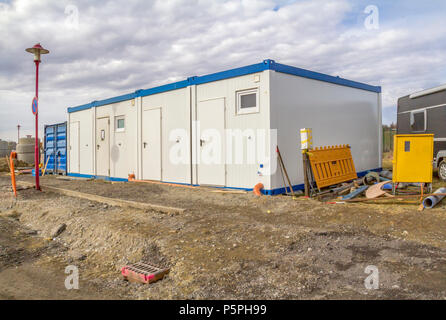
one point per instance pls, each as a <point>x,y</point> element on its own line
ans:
<point>225,245</point>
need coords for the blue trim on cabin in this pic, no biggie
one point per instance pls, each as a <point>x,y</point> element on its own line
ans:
<point>323,77</point>
<point>298,187</point>
<point>89,176</point>
<point>232,73</point>
<point>279,191</point>
<point>164,88</point>
<point>121,98</point>
<point>80,108</point>
<point>269,192</point>
<point>363,173</point>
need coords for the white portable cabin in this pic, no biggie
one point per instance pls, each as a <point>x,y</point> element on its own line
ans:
<point>222,129</point>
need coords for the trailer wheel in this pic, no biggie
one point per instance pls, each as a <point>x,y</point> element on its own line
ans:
<point>442,170</point>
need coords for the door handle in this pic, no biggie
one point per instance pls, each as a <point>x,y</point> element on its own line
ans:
<point>201,142</point>
<point>144,144</point>
<point>98,146</point>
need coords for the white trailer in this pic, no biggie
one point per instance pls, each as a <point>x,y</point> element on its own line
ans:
<point>222,129</point>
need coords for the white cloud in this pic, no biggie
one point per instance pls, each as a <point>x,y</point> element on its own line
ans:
<point>120,46</point>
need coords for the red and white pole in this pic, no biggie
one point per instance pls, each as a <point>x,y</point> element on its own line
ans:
<point>37,149</point>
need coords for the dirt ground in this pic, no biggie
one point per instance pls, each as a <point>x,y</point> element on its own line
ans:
<point>4,164</point>
<point>224,246</point>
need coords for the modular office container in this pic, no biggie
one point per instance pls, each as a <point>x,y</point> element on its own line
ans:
<point>222,129</point>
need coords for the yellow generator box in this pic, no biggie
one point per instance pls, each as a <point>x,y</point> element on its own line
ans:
<point>412,158</point>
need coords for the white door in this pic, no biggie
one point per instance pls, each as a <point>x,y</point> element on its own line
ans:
<point>211,168</point>
<point>74,147</point>
<point>103,147</point>
<point>151,144</point>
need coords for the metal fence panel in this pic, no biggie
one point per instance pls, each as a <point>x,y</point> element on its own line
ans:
<point>388,134</point>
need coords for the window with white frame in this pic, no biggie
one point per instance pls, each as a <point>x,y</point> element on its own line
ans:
<point>418,121</point>
<point>248,101</point>
<point>120,124</point>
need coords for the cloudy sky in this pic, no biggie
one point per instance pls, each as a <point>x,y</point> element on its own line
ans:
<point>102,49</point>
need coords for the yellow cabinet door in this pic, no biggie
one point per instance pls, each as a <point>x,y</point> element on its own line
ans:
<point>413,157</point>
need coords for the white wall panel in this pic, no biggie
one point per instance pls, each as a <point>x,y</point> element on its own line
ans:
<point>84,118</point>
<point>245,174</point>
<point>337,114</point>
<point>175,118</point>
<point>123,148</point>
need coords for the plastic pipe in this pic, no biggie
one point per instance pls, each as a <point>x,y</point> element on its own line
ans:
<point>386,174</point>
<point>432,201</point>
<point>11,166</point>
<point>355,193</point>
<point>258,189</point>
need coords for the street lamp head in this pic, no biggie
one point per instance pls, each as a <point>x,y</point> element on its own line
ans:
<point>37,50</point>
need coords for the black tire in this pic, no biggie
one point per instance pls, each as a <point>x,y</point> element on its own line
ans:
<point>442,170</point>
